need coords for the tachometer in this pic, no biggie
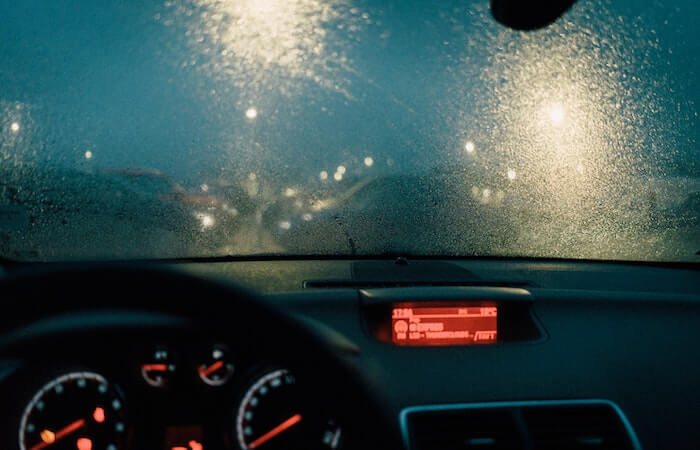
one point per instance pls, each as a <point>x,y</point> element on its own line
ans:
<point>79,410</point>
<point>275,414</point>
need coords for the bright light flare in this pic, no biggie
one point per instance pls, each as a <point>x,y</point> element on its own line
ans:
<point>556,114</point>
<point>251,113</point>
<point>14,127</point>
<point>88,154</point>
<point>369,161</point>
<point>270,43</point>
<point>207,220</point>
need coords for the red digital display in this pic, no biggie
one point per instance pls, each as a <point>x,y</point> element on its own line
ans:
<point>184,438</point>
<point>443,325</point>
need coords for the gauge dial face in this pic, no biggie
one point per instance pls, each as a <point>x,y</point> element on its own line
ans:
<point>79,410</point>
<point>275,414</point>
<point>160,369</point>
<point>216,368</point>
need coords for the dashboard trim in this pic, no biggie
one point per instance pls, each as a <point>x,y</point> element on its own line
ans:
<point>403,415</point>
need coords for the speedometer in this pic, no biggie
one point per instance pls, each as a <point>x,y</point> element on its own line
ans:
<point>275,413</point>
<point>79,410</point>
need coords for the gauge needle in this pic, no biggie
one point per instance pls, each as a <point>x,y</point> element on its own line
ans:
<point>295,419</point>
<point>213,368</point>
<point>63,432</point>
<point>155,367</point>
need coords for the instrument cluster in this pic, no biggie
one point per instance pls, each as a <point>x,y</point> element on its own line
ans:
<point>174,397</point>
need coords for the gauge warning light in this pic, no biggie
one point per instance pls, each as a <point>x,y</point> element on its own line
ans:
<point>48,436</point>
<point>192,445</point>
<point>99,415</point>
<point>84,444</point>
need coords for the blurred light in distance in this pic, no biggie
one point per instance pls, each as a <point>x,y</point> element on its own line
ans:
<point>88,154</point>
<point>556,114</point>
<point>14,127</point>
<point>469,147</point>
<point>251,113</point>
<point>338,176</point>
<point>369,161</point>
<point>511,174</point>
<point>285,225</point>
<point>341,170</point>
<point>206,219</point>
<point>323,175</point>
<point>290,192</point>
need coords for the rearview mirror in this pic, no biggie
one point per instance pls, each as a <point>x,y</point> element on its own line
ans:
<point>528,14</point>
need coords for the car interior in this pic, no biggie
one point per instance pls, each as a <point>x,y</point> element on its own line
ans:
<point>365,349</point>
<point>583,355</point>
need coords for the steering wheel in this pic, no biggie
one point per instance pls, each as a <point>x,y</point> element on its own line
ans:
<point>59,313</point>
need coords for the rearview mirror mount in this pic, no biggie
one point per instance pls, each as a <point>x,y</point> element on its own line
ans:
<point>528,14</point>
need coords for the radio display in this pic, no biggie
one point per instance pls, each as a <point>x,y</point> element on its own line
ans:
<point>416,325</point>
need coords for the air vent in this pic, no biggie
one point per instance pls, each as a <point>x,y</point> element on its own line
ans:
<point>465,429</point>
<point>576,427</point>
<point>561,425</point>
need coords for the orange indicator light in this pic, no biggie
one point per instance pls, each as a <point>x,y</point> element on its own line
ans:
<point>84,444</point>
<point>99,415</point>
<point>48,436</point>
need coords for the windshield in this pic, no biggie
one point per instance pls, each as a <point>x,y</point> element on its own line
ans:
<point>163,129</point>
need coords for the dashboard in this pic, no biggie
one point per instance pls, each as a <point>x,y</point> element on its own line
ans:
<point>172,393</point>
<point>385,353</point>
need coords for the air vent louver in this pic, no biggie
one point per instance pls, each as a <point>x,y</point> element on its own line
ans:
<point>576,427</point>
<point>560,425</point>
<point>465,429</point>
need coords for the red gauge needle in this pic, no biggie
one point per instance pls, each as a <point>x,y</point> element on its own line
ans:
<point>295,419</point>
<point>155,367</point>
<point>63,432</point>
<point>213,368</point>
